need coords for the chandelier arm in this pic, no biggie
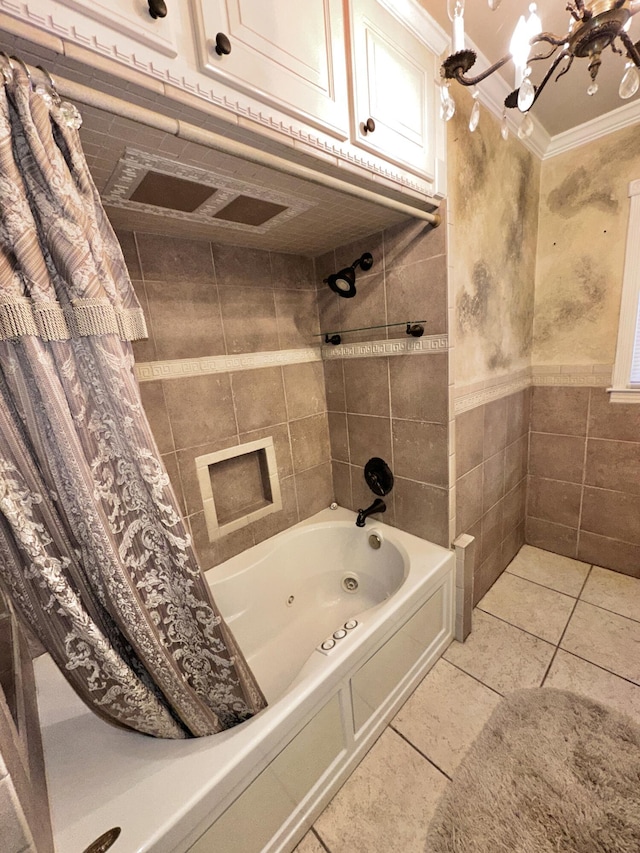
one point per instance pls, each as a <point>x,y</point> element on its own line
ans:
<point>632,50</point>
<point>544,55</point>
<point>569,64</point>
<point>550,38</point>
<point>460,76</point>
<point>549,74</point>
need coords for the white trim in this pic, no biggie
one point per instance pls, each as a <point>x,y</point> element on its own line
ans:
<point>626,363</point>
<point>427,345</point>
<point>421,24</point>
<point>617,119</point>
<point>185,367</point>
<point>503,386</point>
<point>214,528</point>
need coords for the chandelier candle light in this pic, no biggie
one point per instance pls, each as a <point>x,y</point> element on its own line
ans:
<point>594,25</point>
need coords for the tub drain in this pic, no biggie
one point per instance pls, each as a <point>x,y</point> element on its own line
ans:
<point>350,583</point>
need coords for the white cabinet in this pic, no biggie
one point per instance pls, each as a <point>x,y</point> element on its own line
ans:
<point>393,80</point>
<point>285,52</point>
<point>132,19</point>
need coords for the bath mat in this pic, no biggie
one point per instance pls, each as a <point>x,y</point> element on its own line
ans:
<point>551,772</point>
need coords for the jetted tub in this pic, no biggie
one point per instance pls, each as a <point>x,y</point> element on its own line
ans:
<point>339,624</point>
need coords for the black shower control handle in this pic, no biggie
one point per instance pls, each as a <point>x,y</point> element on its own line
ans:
<point>157,9</point>
<point>223,45</point>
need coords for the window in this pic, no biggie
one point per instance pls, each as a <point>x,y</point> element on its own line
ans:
<point>626,370</point>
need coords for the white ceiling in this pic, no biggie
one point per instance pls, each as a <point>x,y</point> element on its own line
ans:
<point>562,105</point>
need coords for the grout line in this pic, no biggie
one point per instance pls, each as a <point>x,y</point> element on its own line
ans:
<point>599,666</point>
<point>319,837</point>
<point>544,585</point>
<point>506,621</point>
<point>584,473</point>
<point>419,751</point>
<point>608,610</point>
<point>573,609</point>
<point>475,677</point>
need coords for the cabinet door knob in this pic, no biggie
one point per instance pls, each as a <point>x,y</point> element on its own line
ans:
<point>223,45</point>
<point>368,126</point>
<point>157,9</point>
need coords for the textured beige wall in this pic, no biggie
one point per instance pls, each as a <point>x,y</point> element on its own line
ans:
<point>493,191</point>
<point>584,210</point>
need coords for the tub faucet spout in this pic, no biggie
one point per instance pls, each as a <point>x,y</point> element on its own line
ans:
<point>377,506</point>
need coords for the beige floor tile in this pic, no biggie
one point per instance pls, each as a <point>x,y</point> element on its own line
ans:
<point>445,714</point>
<point>309,844</point>
<point>560,573</point>
<point>386,803</point>
<point>501,656</point>
<point>606,639</point>
<point>571,673</point>
<point>613,591</point>
<point>540,611</point>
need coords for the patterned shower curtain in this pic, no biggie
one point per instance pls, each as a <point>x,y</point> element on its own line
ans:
<point>94,555</point>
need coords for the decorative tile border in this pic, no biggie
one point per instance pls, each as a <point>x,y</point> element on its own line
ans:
<point>426,345</point>
<point>183,368</point>
<point>570,375</point>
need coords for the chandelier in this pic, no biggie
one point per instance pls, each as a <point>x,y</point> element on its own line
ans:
<point>594,26</point>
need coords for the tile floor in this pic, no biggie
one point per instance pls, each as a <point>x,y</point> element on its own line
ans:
<point>547,621</point>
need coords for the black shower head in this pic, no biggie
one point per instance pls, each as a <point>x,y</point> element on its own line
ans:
<point>344,282</point>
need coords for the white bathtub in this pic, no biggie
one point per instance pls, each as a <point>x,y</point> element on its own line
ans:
<point>257,787</point>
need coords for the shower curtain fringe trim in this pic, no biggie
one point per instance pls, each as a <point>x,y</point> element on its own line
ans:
<point>82,318</point>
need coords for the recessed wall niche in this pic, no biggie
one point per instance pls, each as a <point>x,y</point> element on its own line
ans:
<point>238,485</point>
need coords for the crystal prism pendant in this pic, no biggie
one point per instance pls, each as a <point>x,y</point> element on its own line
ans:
<point>475,113</point>
<point>592,88</point>
<point>630,81</point>
<point>447,104</point>
<point>526,127</point>
<point>526,92</point>
<point>504,127</point>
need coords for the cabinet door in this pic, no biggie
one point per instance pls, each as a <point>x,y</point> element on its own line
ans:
<point>393,76</point>
<point>131,18</point>
<point>286,53</point>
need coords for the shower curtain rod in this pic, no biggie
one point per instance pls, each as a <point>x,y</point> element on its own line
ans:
<point>192,133</point>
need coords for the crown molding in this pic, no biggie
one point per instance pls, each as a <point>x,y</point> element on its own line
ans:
<point>417,19</point>
<point>623,116</point>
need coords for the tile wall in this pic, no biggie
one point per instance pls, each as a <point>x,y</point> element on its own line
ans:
<point>491,483</point>
<point>584,477</point>
<point>395,407</point>
<point>202,300</point>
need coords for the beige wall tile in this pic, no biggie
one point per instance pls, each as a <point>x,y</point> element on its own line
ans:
<point>419,388</point>
<point>369,436</point>
<point>145,349</point>
<point>297,318</point>
<point>469,439</point>
<point>259,399</point>
<point>612,420</point>
<point>188,473</point>
<point>413,241</point>
<point>554,500</point>
<point>419,292</point>
<point>304,389</point>
<point>493,480</point>
<point>314,489</point>
<point>560,457</point>
<point>612,514</point>
<point>559,410</point>
<point>154,404</point>
<point>423,510</point>
<point>514,507</point>
<point>346,254</point>
<point>249,319</point>
<point>309,442</point>
<point>610,553</point>
<point>367,386</point>
<point>268,526</point>
<point>366,308</point>
<point>338,436</point>
<point>518,412</point>
<point>495,427</point>
<point>420,451</point>
<point>613,465</point>
<point>186,319</point>
<point>127,242</point>
<point>238,266</point>
<point>200,409</point>
<point>175,259</point>
<point>334,385</point>
<point>516,457</point>
<point>551,537</point>
<point>342,484</point>
<point>292,271</point>
<point>281,443</point>
<point>469,499</point>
